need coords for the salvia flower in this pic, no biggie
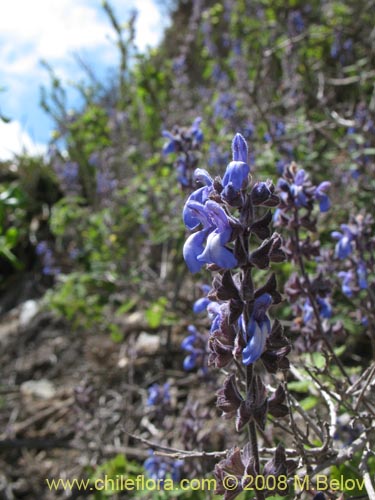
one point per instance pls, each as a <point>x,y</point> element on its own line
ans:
<point>321,196</point>
<point>44,251</point>
<point>160,468</point>
<point>362,275</point>
<point>345,238</point>
<point>325,309</point>
<point>195,345</point>
<point>257,329</point>
<point>237,172</point>
<point>158,394</point>
<point>202,303</point>
<point>190,218</point>
<point>347,282</point>
<point>171,145</point>
<point>196,131</point>
<point>216,232</point>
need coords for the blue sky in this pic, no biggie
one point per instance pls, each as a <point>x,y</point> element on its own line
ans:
<point>55,30</point>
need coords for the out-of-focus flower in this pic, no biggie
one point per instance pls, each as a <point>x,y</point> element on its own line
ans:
<point>362,275</point>
<point>321,196</point>
<point>195,344</point>
<point>158,394</point>
<point>347,282</point>
<point>325,309</point>
<point>344,245</point>
<point>159,468</point>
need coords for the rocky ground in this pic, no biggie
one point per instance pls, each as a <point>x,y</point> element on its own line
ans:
<point>68,399</point>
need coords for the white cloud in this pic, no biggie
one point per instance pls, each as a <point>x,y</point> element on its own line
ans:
<point>14,140</point>
<point>53,30</point>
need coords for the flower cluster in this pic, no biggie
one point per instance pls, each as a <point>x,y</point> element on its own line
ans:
<point>354,251</point>
<point>308,295</point>
<point>158,395</point>
<point>221,240</point>
<point>44,251</point>
<point>229,218</point>
<point>360,138</point>
<point>195,344</point>
<point>67,173</point>
<point>160,468</point>
<point>185,142</point>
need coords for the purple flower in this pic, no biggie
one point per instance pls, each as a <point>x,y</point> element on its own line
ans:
<point>216,232</point>
<point>257,329</point>
<point>48,260</point>
<point>320,195</point>
<point>248,130</point>
<point>280,165</point>
<point>362,275</point>
<point>296,189</point>
<point>171,145</point>
<point>159,468</point>
<point>196,131</point>
<point>237,171</point>
<point>215,313</point>
<point>236,175</point>
<point>190,218</point>
<point>195,345</point>
<point>201,304</point>
<point>297,21</point>
<point>158,394</point>
<point>344,245</point>
<point>325,309</point>
<point>182,171</point>
<point>239,148</point>
<point>347,282</point>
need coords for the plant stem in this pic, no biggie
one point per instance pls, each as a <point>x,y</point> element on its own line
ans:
<point>253,433</point>
<point>311,297</point>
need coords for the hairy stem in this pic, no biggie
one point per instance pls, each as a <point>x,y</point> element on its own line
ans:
<point>253,433</point>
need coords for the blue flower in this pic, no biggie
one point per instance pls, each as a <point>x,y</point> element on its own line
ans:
<point>158,468</point>
<point>158,394</point>
<point>308,311</point>
<point>362,275</point>
<point>237,172</point>
<point>171,145</point>
<point>325,309</point>
<point>216,230</point>
<point>182,171</point>
<point>215,313</point>
<point>189,216</point>
<point>194,344</point>
<point>239,148</point>
<point>236,175</point>
<point>297,21</point>
<point>296,189</point>
<point>248,130</point>
<point>196,131</point>
<point>280,165</point>
<point>344,245</point>
<point>320,195</point>
<point>200,305</point>
<point>347,282</point>
<point>257,329</point>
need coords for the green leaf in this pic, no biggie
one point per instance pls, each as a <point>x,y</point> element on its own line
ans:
<point>155,313</point>
<point>299,386</point>
<point>11,236</point>
<point>309,403</point>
